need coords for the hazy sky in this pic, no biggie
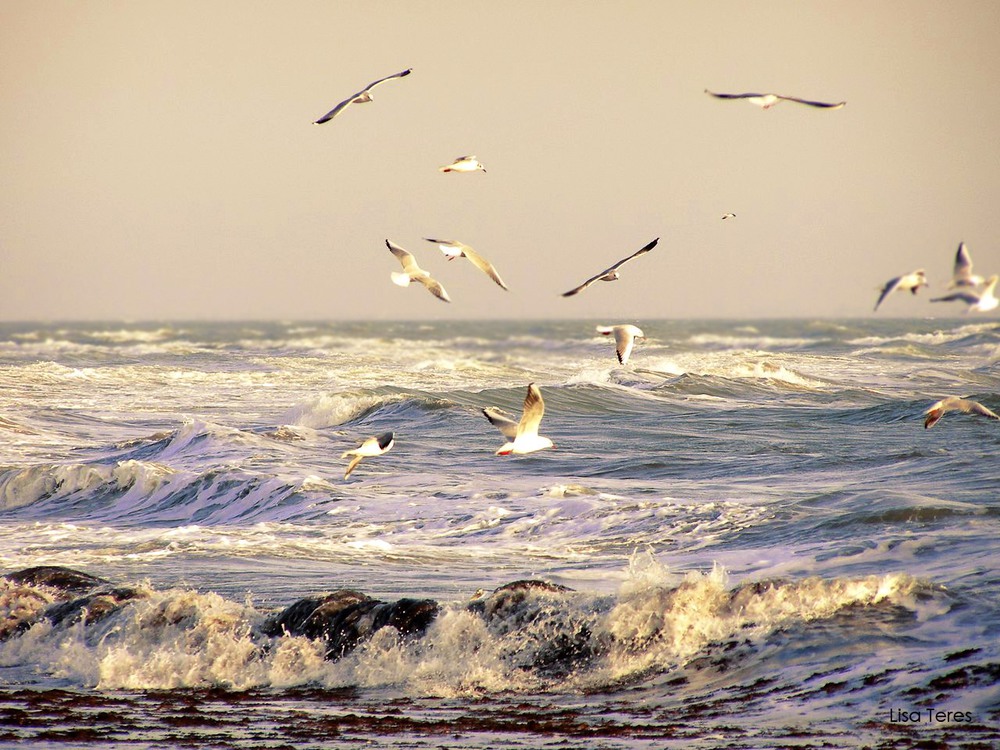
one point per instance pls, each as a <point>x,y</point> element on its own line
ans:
<point>158,158</point>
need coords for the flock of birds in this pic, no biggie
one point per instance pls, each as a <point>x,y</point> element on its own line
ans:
<point>963,280</point>
<point>522,434</point>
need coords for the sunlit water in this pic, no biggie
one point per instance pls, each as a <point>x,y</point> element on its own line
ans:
<point>761,544</point>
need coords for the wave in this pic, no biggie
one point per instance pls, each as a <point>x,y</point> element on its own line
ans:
<point>523,636</point>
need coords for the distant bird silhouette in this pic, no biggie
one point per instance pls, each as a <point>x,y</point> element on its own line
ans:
<point>983,301</point>
<point>766,101</point>
<point>728,216</point>
<point>908,282</point>
<point>611,273</point>
<point>413,272</point>
<point>463,164</point>
<point>453,249</point>
<point>954,403</point>
<point>359,98</point>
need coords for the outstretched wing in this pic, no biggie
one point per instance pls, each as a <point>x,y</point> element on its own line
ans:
<point>890,286</point>
<point>733,96</point>
<point>483,265</point>
<point>405,257</point>
<point>353,97</point>
<point>502,421</point>
<point>610,269</point>
<point>534,410</point>
<point>433,286</point>
<point>623,344</point>
<point>811,103</point>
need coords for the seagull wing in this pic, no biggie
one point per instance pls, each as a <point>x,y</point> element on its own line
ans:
<point>352,465</point>
<point>974,407</point>
<point>824,105</point>
<point>373,84</point>
<point>336,110</point>
<point>962,275</point>
<point>624,339</point>
<point>967,297</point>
<point>534,410</point>
<point>349,100</point>
<point>483,265</point>
<point>433,286</point>
<point>645,249</point>
<point>405,258</point>
<point>502,421</point>
<point>732,96</point>
<point>890,286</point>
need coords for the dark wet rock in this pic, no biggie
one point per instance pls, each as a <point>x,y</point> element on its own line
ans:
<point>92,608</point>
<point>56,577</point>
<point>546,635</point>
<point>346,618</point>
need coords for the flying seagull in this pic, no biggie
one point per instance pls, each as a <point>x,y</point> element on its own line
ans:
<point>611,273</point>
<point>728,216</point>
<point>463,164</point>
<point>522,436</point>
<point>766,101</point>
<point>983,301</point>
<point>413,272</point>
<point>373,446</point>
<point>359,98</point>
<point>625,336</point>
<point>962,275</point>
<point>907,282</point>
<point>954,403</point>
<point>453,249</point>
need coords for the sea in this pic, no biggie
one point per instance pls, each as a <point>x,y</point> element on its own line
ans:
<point>744,537</point>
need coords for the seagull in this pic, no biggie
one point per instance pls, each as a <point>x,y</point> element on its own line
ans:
<point>522,437</point>
<point>413,272</point>
<point>625,336</point>
<point>962,275</point>
<point>453,249</point>
<point>954,403</point>
<point>611,273</point>
<point>983,301</point>
<point>373,446</point>
<point>907,282</point>
<point>463,164</point>
<point>766,101</point>
<point>728,216</point>
<point>359,98</point>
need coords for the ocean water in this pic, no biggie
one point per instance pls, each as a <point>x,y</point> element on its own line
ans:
<point>743,538</point>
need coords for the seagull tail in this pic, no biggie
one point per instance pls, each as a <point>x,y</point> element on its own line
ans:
<point>400,279</point>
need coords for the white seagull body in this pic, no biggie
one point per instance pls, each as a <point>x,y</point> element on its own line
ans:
<point>983,301</point>
<point>463,164</point>
<point>413,272</point>
<point>625,336</point>
<point>962,275</point>
<point>522,436</point>
<point>359,98</point>
<point>453,249</point>
<point>611,273</point>
<point>373,446</point>
<point>909,282</point>
<point>954,403</point>
<point>766,101</point>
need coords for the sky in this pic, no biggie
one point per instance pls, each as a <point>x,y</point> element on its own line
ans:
<point>159,161</point>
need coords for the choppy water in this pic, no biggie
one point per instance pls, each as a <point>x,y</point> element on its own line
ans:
<point>752,541</point>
